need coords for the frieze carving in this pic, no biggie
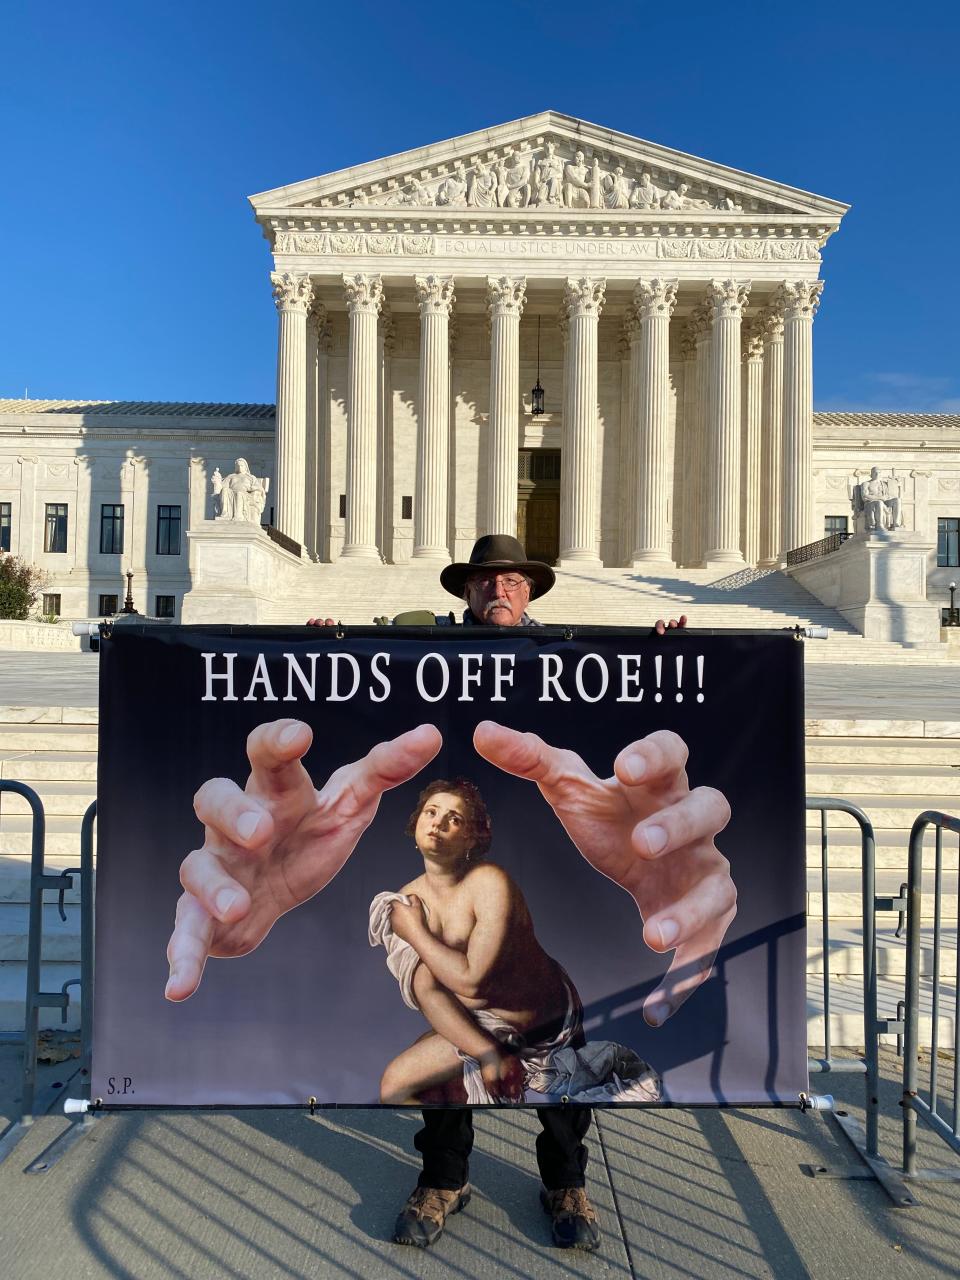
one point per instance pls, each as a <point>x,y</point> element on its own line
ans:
<point>523,245</point>
<point>6,470</point>
<point>552,173</point>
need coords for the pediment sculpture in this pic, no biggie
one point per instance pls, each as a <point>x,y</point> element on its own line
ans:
<point>241,495</point>
<point>876,502</point>
<point>548,175</point>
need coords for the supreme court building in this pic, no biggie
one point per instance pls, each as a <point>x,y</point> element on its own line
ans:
<point>546,328</point>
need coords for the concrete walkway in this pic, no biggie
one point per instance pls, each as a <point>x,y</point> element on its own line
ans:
<point>847,692</point>
<point>260,1194</point>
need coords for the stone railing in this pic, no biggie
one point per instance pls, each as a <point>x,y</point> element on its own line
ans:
<point>815,550</point>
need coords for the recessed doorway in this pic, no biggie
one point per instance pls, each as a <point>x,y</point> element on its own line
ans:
<point>538,503</point>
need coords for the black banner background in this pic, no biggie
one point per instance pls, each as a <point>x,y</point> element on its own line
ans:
<point>313,1011</point>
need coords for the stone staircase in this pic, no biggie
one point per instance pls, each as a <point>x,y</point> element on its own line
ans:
<point>355,593</point>
<point>892,777</point>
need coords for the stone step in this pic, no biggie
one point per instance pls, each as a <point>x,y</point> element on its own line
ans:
<point>893,813</point>
<point>49,766</point>
<point>876,780</point>
<point>846,949</point>
<point>846,1013</point>
<point>48,715</point>
<point>885,752</point>
<point>41,737</point>
<point>59,799</point>
<point>61,939</point>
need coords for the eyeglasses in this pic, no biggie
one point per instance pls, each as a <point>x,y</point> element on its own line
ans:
<point>511,582</point>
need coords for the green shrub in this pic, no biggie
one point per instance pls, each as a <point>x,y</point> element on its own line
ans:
<point>20,586</point>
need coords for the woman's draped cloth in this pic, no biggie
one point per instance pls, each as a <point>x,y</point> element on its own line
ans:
<point>596,1071</point>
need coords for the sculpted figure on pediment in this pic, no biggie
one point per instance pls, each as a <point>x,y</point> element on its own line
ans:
<point>513,181</point>
<point>616,189</point>
<point>482,188</point>
<point>581,184</point>
<point>645,195</point>
<point>550,178</point>
<point>453,189</point>
<point>677,200</point>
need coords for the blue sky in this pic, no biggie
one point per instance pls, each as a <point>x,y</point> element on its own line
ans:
<point>131,266</point>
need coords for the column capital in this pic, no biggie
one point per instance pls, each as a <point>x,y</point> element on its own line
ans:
<point>318,321</point>
<point>799,299</point>
<point>506,295</point>
<point>655,297</point>
<point>772,320</point>
<point>291,292</point>
<point>751,337</point>
<point>631,325</point>
<point>583,296</point>
<point>364,294</point>
<point>727,299</point>
<point>434,294</point>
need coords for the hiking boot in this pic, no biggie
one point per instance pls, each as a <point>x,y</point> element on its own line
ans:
<point>573,1218</point>
<point>423,1217</point>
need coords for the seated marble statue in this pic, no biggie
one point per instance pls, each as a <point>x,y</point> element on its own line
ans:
<point>243,496</point>
<point>878,502</point>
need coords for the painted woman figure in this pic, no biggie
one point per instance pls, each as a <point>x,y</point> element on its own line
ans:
<point>460,941</point>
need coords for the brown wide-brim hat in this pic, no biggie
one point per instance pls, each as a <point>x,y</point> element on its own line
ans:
<point>498,551</point>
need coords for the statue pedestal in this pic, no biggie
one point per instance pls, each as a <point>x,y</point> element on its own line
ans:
<point>236,572</point>
<point>878,581</point>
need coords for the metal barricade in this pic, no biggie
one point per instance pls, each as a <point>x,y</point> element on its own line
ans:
<point>913,1104</point>
<point>863,1138</point>
<point>36,998</point>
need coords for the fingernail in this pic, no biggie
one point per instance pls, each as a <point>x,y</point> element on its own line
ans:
<point>288,734</point>
<point>171,982</point>
<point>657,1014</point>
<point>225,900</point>
<point>247,824</point>
<point>668,932</point>
<point>656,838</point>
<point>634,768</point>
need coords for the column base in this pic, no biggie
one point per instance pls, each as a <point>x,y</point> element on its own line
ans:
<point>360,553</point>
<point>579,560</point>
<point>774,562</point>
<point>651,560</point>
<point>437,555</point>
<point>719,559</point>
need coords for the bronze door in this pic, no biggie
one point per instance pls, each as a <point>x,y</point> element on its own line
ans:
<point>538,504</point>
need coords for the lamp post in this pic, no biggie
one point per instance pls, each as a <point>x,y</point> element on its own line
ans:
<point>536,394</point>
<point>953,615</point>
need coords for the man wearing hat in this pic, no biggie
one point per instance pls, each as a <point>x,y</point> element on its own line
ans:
<point>497,583</point>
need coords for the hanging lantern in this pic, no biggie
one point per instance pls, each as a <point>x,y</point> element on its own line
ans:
<point>536,395</point>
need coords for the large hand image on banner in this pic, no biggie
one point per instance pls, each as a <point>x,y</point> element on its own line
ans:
<point>450,869</point>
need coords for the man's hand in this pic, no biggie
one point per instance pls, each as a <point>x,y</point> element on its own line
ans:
<point>660,627</point>
<point>648,832</point>
<point>276,843</point>
<point>408,921</point>
<point>322,622</point>
<point>503,1075</point>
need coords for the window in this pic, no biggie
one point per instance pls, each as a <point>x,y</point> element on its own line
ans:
<point>168,531</point>
<point>948,541</point>
<point>406,507</point>
<point>834,524</point>
<point>343,506</point>
<point>111,528</point>
<point>55,530</point>
<point>107,606</point>
<point>51,605</point>
<point>166,607</point>
<point>5,526</point>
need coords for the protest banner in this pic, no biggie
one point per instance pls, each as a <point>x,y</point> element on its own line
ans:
<point>516,930</point>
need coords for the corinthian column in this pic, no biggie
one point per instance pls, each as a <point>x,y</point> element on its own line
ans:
<point>727,299</point>
<point>583,300</point>
<point>654,301</point>
<point>505,298</point>
<point>750,442</point>
<point>364,295</point>
<point>685,445</point>
<point>799,299</point>
<point>293,295</point>
<point>435,299</point>
<point>771,506</point>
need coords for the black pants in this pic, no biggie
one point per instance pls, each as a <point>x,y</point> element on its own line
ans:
<point>446,1140</point>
